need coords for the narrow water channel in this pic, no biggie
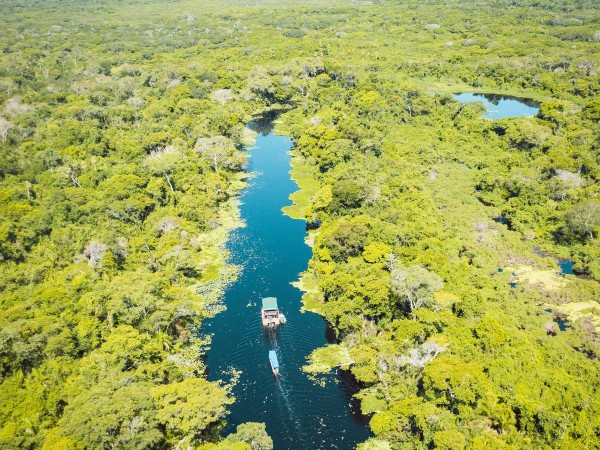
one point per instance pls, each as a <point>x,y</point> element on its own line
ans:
<point>271,251</point>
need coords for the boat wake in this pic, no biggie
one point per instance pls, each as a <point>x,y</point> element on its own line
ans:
<point>284,391</point>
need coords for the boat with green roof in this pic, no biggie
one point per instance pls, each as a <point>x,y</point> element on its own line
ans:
<point>270,314</point>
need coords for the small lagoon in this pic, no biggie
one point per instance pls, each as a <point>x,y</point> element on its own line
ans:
<point>499,106</point>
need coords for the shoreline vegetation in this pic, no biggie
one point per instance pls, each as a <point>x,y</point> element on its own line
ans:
<point>122,136</point>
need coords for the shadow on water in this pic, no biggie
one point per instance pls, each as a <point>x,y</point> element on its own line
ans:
<point>270,249</point>
<point>264,123</point>
<point>496,99</point>
<point>350,387</point>
<point>330,335</point>
<point>559,318</point>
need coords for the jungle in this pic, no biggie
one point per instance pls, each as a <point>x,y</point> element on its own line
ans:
<point>436,234</point>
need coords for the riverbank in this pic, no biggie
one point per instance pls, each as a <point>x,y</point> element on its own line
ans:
<point>404,203</point>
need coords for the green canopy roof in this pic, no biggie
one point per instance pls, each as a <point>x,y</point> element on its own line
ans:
<point>269,303</point>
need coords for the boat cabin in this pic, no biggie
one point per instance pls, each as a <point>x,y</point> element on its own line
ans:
<point>271,316</point>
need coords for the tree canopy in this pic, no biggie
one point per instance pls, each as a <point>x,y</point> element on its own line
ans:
<point>437,234</point>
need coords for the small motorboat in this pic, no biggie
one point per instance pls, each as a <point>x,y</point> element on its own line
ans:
<point>274,362</point>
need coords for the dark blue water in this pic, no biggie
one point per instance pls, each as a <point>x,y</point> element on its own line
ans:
<point>499,106</point>
<point>298,413</point>
<point>560,320</point>
<point>566,266</point>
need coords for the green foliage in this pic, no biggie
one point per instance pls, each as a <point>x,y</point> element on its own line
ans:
<point>346,194</point>
<point>414,286</point>
<point>583,220</point>
<point>423,179</point>
<point>187,408</point>
<point>375,252</point>
<point>253,434</point>
<point>121,126</point>
<point>122,416</point>
<point>109,224</point>
<point>327,358</point>
<point>346,240</point>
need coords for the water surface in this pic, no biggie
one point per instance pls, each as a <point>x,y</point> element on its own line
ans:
<point>566,266</point>
<point>499,106</point>
<point>298,413</point>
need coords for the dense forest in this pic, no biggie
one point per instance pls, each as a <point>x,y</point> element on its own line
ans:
<point>435,232</point>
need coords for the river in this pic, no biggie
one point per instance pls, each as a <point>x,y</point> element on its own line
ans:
<point>271,251</point>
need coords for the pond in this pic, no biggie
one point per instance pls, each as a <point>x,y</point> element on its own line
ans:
<point>499,106</point>
<point>566,266</point>
<point>271,251</point>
